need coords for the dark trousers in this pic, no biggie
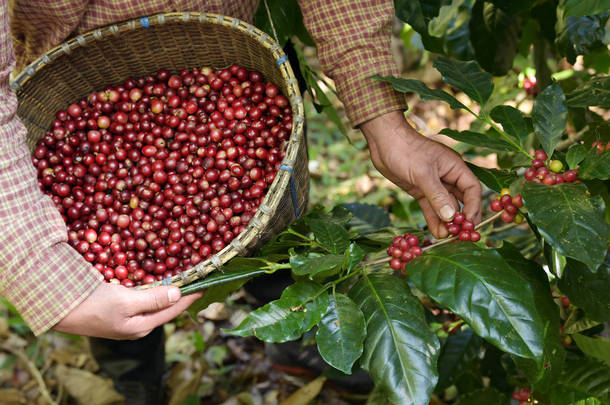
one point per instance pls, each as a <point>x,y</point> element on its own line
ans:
<point>135,366</point>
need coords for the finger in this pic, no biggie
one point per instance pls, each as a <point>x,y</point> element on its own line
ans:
<point>441,201</point>
<point>153,299</point>
<point>151,320</point>
<point>435,225</point>
<point>470,188</point>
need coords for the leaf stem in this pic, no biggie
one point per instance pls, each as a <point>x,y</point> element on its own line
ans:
<point>311,241</point>
<point>508,138</point>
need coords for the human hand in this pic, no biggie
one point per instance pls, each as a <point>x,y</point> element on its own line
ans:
<point>433,174</point>
<point>116,312</point>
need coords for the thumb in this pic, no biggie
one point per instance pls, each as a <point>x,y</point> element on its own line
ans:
<point>154,299</point>
<point>442,202</point>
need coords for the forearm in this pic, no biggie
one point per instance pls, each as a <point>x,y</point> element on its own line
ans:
<point>353,42</point>
<point>39,273</point>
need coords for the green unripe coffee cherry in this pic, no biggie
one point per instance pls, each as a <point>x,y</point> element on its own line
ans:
<point>556,166</point>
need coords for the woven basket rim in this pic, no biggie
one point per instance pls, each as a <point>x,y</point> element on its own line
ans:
<point>282,180</point>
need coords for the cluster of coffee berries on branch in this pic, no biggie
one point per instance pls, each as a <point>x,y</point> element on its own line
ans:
<point>402,250</point>
<point>462,228</point>
<point>600,147</point>
<point>155,175</point>
<point>552,174</point>
<point>530,86</point>
<point>522,396</point>
<point>508,206</point>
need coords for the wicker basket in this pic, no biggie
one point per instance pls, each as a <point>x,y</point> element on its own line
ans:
<point>174,41</point>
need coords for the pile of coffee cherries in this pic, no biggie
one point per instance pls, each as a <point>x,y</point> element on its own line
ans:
<point>462,228</point>
<point>155,175</point>
<point>540,173</point>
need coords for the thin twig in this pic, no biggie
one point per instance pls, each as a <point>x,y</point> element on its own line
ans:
<point>571,139</point>
<point>33,370</point>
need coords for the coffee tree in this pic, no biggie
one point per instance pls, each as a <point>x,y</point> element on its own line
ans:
<point>514,307</point>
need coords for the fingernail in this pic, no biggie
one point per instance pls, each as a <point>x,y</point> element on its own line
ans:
<point>447,212</point>
<point>173,295</point>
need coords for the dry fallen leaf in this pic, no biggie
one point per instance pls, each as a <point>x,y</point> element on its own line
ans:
<point>11,396</point>
<point>70,356</point>
<point>305,394</point>
<point>216,311</point>
<point>88,388</point>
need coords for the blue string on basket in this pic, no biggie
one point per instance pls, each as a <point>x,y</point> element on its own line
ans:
<point>281,60</point>
<point>144,21</point>
<point>293,190</point>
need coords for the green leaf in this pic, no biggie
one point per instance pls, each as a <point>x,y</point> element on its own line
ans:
<point>575,155</point>
<point>549,117</point>
<point>282,242</point>
<point>541,375</point>
<point>595,166</point>
<point>330,235</point>
<point>585,376</point>
<point>479,139</point>
<point>417,14</point>
<point>480,287</point>
<point>289,317</point>
<point>466,76</point>
<point>495,36</point>
<point>237,270</point>
<point>456,41</point>
<point>353,257</point>
<point>493,178</point>
<point>313,265</point>
<point>424,92</point>
<point>483,396</point>
<point>579,35</point>
<point>447,14</point>
<point>588,290</point>
<point>512,121</point>
<point>341,333</point>
<point>573,325</point>
<point>322,103</point>
<point>594,92</point>
<point>400,352</point>
<point>287,21</point>
<point>217,293</point>
<point>367,218</point>
<point>569,220</point>
<point>581,8</point>
<point>457,352</point>
<point>513,6</point>
<point>596,347</point>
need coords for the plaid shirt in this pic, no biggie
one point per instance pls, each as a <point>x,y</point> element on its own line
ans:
<point>39,272</point>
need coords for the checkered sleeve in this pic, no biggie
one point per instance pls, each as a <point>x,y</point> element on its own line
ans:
<point>353,41</point>
<point>40,274</point>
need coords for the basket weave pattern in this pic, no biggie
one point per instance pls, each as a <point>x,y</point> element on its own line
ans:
<point>173,41</point>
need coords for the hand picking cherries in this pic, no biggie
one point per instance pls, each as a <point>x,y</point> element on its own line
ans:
<point>155,175</point>
<point>550,175</point>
